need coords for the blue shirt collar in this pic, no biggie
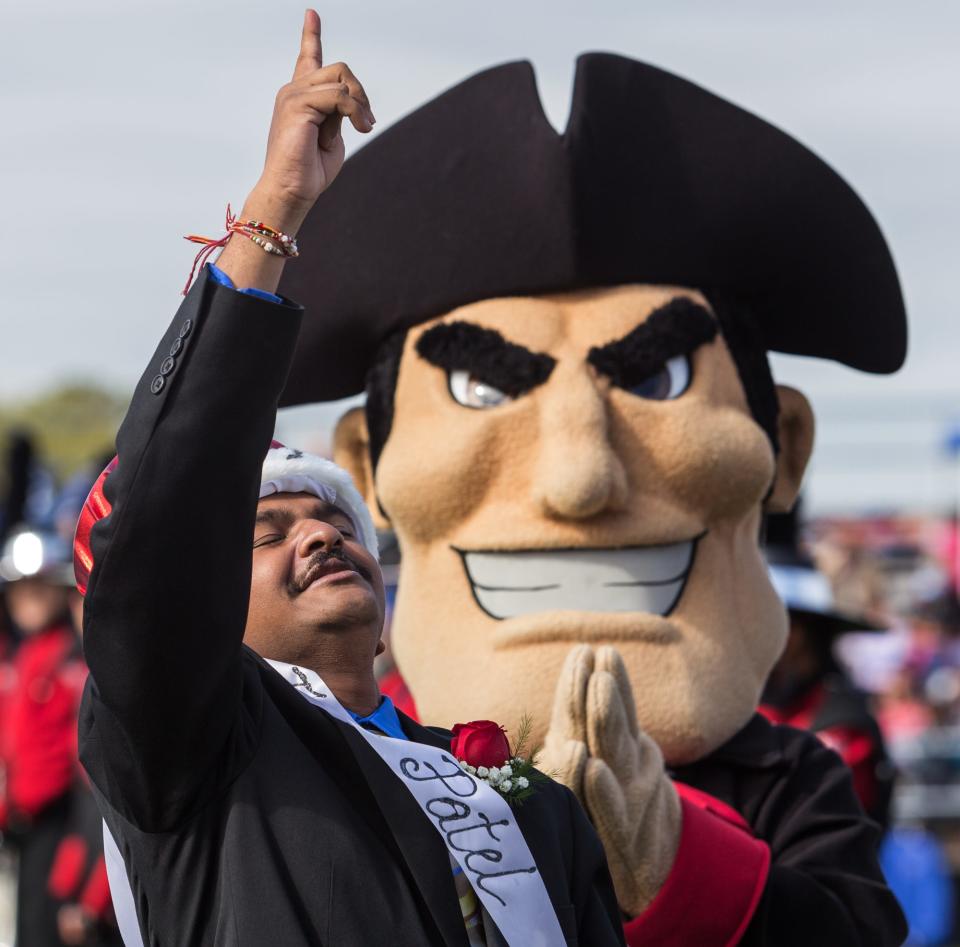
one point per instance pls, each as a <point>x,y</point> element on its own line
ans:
<point>385,718</point>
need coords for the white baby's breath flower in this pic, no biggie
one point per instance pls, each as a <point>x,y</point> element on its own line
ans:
<point>494,774</point>
<point>472,770</point>
<point>463,764</point>
<point>483,772</point>
<point>523,782</point>
<point>506,771</point>
<point>505,785</point>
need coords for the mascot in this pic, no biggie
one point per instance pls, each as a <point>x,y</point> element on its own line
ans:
<point>572,428</point>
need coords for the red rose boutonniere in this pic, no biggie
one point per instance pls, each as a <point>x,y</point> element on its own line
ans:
<point>483,750</point>
<point>480,743</point>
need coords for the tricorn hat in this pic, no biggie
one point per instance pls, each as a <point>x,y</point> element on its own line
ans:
<point>655,180</point>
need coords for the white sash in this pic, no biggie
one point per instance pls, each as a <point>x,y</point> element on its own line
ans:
<point>121,894</point>
<point>474,821</point>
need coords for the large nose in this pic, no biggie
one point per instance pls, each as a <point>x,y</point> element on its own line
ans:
<point>578,472</point>
<point>317,536</point>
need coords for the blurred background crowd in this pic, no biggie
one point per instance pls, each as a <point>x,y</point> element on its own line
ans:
<point>53,881</point>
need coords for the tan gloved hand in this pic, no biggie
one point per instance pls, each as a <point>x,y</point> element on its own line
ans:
<point>596,749</point>
<point>564,752</point>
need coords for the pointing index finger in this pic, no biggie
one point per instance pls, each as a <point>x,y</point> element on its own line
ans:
<point>311,49</point>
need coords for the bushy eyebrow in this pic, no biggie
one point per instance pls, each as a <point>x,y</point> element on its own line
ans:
<point>463,346</point>
<point>274,516</point>
<point>677,328</point>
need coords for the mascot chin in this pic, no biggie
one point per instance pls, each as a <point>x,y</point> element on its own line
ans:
<point>572,428</point>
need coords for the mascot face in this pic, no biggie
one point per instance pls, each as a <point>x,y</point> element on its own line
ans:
<point>584,467</point>
<point>588,466</point>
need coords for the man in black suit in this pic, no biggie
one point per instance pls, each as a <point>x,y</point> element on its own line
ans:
<point>238,810</point>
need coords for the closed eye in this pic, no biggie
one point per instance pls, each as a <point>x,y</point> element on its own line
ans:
<point>267,540</point>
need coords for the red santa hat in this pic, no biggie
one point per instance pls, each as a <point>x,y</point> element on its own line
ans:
<point>285,470</point>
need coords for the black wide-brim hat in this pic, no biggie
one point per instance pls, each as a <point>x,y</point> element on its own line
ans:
<point>655,180</point>
<point>806,592</point>
<point>802,587</point>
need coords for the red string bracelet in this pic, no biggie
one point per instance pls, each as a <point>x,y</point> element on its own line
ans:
<point>269,240</point>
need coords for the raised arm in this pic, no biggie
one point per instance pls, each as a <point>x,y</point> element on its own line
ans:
<point>167,599</point>
<point>304,154</point>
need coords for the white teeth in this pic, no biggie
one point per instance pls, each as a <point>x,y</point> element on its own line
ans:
<point>638,579</point>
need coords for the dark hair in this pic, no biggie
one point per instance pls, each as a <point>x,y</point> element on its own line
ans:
<point>744,337</point>
<point>739,327</point>
<point>381,388</point>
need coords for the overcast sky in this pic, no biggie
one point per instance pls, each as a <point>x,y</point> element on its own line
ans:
<point>128,124</point>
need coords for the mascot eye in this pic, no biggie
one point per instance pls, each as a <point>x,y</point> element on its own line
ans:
<point>670,382</point>
<point>474,392</point>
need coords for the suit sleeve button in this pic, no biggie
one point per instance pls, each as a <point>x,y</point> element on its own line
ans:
<point>177,345</point>
<point>156,386</point>
<point>167,365</point>
<point>185,328</point>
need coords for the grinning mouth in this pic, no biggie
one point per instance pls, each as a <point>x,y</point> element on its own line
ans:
<point>625,579</point>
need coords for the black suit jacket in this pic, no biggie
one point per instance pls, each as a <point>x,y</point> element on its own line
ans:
<point>246,815</point>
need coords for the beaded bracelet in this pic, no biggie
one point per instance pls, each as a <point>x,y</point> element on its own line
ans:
<point>274,242</point>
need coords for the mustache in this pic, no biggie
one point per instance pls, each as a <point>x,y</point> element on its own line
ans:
<point>316,562</point>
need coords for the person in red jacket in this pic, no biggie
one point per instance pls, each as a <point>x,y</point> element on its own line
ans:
<point>41,792</point>
<point>807,688</point>
<point>77,880</point>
